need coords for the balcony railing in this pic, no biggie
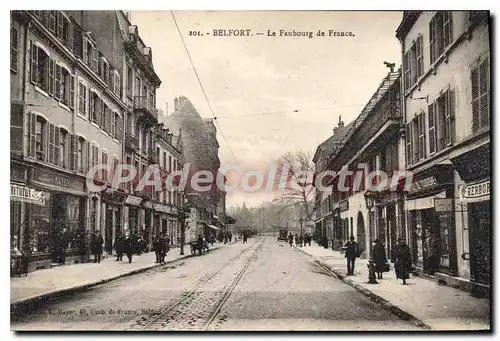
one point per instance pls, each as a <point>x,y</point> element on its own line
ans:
<point>144,105</point>
<point>131,142</point>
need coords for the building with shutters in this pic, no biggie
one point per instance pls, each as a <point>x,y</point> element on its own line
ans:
<point>171,200</point>
<point>446,106</point>
<point>70,101</point>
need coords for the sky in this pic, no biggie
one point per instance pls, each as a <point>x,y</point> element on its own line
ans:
<point>255,83</point>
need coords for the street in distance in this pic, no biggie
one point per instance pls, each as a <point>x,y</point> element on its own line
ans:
<point>271,33</point>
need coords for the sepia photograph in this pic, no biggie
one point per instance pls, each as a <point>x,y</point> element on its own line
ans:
<point>219,171</point>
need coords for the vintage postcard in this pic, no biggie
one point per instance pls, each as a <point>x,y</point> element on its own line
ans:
<point>250,170</point>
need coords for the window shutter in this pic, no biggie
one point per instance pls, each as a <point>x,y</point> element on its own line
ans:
<point>420,56</point>
<point>84,49</point>
<point>51,77</point>
<point>60,24</point>
<point>34,62</point>
<point>32,135</point>
<point>432,129</point>
<point>91,106</point>
<point>70,36</point>
<point>57,93</point>
<point>416,133</point>
<point>51,144</point>
<point>447,28</point>
<point>72,91</point>
<point>109,119</point>
<point>114,118</point>
<point>72,151</point>
<point>57,143</point>
<point>85,156</point>
<point>120,128</point>
<point>484,94</point>
<point>111,77</point>
<point>95,59</point>
<point>118,87</point>
<point>432,40</point>
<point>475,98</point>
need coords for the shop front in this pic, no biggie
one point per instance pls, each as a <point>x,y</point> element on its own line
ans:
<point>18,200</point>
<point>430,214</point>
<point>391,220</point>
<point>147,227</point>
<point>474,199</point>
<point>113,205</point>
<point>133,205</point>
<point>60,222</point>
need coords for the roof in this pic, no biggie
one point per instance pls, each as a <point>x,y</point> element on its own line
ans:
<point>382,89</point>
<point>332,141</point>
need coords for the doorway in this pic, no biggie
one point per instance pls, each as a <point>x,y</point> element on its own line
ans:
<point>108,233</point>
<point>361,234</point>
<point>480,241</point>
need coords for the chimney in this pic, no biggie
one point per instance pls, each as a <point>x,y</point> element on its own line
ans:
<point>335,131</point>
<point>176,103</point>
<point>341,123</point>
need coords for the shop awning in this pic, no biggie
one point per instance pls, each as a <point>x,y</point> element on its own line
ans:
<point>423,203</point>
<point>213,227</point>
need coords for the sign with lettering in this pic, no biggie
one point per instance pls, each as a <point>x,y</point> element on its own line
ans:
<point>420,185</point>
<point>62,181</point>
<point>28,195</point>
<point>476,190</point>
<point>132,200</point>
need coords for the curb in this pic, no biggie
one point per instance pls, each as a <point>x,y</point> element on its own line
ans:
<point>25,304</point>
<point>374,297</point>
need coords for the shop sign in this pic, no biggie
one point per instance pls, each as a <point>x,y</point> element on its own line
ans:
<point>344,205</point>
<point>51,178</point>
<point>113,196</point>
<point>26,194</point>
<point>420,185</point>
<point>160,208</point>
<point>133,200</point>
<point>443,205</point>
<point>477,190</point>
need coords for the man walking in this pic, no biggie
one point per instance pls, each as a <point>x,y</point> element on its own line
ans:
<point>351,252</point>
<point>119,247</point>
<point>157,247</point>
<point>98,241</point>
<point>128,246</point>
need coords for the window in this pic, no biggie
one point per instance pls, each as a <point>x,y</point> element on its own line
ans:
<point>105,122</point>
<point>80,147</point>
<point>441,121</point>
<point>158,154</point>
<point>114,122</point>
<point>440,30</point>
<point>421,136</point>
<point>129,81</point>
<point>95,107</point>
<point>65,86</point>
<point>39,67</point>
<point>40,140</point>
<point>14,48</point>
<point>64,30</point>
<point>105,163</point>
<point>151,100</point>
<point>413,63</point>
<point>82,99</point>
<point>63,148</point>
<point>169,163</point>
<point>480,84</point>
<point>165,160</point>
<point>137,91</point>
<point>52,21</point>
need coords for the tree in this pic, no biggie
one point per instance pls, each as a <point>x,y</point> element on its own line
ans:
<point>299,170</point>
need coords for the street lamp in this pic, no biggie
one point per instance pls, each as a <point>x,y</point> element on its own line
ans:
<point>370,201</point>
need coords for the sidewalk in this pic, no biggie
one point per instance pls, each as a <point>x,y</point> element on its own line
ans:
<point>48,283</point>
<point>421,301</point>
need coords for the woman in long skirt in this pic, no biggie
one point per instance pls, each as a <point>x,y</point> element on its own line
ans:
<point>403,263</point>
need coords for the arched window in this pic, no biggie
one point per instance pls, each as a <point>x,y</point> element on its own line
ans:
<point>41,138</point>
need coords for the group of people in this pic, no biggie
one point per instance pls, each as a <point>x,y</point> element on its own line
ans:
<point>401,257</point>
<point>299,239</point>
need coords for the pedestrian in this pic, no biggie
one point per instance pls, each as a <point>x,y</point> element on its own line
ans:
<point>98,241</point>
<point>138,244</point>
<point>128,246</point>
<point>119,247</point>
<point>166,247</point>
<point>245,237</point>
<point>157,247</point>
<point>403,261</point>
<point>379,257</point>
<point>81,241</point>
<point>62,245</point>
<point>200,243</point>
<point>290,239</point>
<point>351,252</point>
<point>230,237</point>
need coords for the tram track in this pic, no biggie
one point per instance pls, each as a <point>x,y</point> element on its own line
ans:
<point>197,309</point>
